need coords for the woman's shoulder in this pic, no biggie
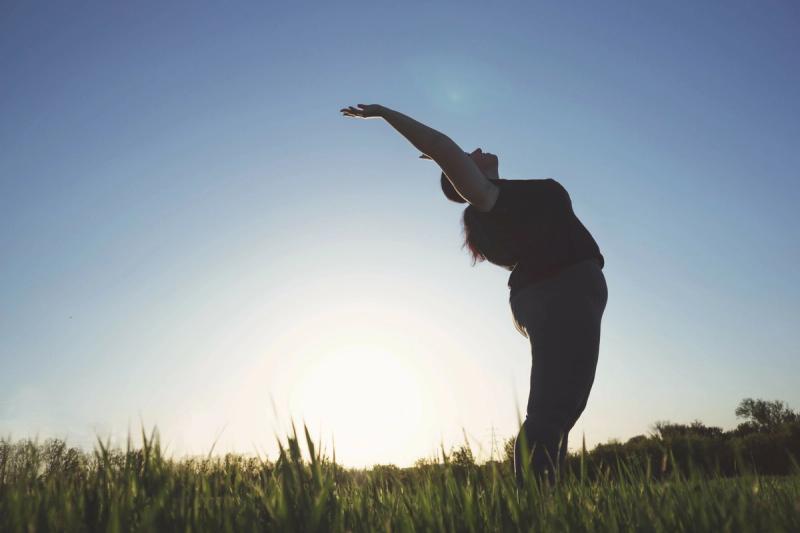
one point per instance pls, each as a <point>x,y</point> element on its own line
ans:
<point>533,186</point>
<point>528,182</point>
<point>520,197</point>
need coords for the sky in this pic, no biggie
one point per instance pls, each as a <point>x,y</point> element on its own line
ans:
<point>193,238</point>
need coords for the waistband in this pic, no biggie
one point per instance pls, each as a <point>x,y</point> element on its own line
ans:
<point>550,274</point>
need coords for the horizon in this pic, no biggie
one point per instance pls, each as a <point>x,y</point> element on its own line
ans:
<point>480,455</point>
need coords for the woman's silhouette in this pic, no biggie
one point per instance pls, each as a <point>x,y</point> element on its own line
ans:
<point>557,288</point>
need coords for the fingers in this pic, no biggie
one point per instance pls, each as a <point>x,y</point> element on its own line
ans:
<point>351,111</point>
<point>365,111</point>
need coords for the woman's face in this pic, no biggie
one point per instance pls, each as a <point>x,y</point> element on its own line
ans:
<point>487,162</point>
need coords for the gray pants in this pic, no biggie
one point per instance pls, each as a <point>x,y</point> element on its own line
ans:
<point>561,317</point>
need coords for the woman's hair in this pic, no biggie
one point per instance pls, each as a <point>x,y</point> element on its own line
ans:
<point>450,191</point>
<point>486,239</point>
<point>473,236</point>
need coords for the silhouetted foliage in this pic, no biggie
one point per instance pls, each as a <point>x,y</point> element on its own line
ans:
<point>767,443</point>
<point>462,456</point>
<point>667,430</point>
<point>46,485</point>
<point>764,415</point>
<point>508,450</point>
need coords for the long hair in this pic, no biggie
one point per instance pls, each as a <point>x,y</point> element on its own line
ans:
<point>487,239</point>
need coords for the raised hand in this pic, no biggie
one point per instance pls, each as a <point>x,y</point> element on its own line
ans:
<point>366,111</point>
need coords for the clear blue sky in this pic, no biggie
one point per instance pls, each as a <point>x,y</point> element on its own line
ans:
<point>193,236</point>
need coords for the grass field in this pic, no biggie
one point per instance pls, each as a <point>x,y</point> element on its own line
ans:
<point>50,487</point>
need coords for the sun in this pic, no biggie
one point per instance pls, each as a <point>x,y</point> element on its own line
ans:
<point>368,398</point>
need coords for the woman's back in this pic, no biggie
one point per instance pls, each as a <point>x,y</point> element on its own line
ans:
<point>534,224</point>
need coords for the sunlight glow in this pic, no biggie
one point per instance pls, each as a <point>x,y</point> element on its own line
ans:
<point>363,395</point>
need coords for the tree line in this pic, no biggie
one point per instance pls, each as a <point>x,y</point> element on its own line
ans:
<point>766,442</point>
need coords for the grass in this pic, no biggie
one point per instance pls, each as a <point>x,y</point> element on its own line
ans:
<point>46,487</point>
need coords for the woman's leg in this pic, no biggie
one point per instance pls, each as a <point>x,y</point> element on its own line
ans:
<point>542,444</point>
<point>562,318</point>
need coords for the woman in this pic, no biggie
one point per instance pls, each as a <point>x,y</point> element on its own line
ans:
<point>557,288</point>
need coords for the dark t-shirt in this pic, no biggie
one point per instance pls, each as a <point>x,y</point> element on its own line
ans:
<point>536,217</point>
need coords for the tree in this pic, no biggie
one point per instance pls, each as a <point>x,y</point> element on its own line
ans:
<point>462,456</point>
<point>508,449</point>
<point>668,430</point>
<point>765,415</point>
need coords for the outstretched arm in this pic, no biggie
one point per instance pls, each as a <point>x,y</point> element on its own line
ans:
<point>459,168</point>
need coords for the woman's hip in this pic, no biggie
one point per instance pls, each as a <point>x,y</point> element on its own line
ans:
<point>577,295</point>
